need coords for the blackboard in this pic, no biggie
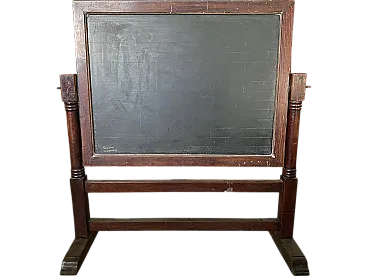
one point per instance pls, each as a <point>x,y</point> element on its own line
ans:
<point>183,84</point>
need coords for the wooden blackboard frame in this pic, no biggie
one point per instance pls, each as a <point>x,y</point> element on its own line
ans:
<point>83,8</point>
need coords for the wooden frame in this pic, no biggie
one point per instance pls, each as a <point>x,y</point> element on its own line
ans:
<point>83,8</point>
<point>291,93</point>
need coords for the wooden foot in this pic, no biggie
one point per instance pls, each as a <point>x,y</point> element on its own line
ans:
<point>76,254</point>
<point>292,254</point>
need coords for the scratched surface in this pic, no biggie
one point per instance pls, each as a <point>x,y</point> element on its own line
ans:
<point>190,84</point>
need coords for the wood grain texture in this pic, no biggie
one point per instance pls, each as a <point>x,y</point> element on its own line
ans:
<point>182,160</point>
<point>69,95</point>
<point>245,7</point>
<point>297,95</point>
<point>292,254</point>
<point>284,69</point>
<point>141,186</point>
<point>76,254</point>
<point>68,87</point>
<point>80,207</point>
<point>83,8</point>
<point>79,197</point>
<point>298,83</point>
<point>184,224</point>
<point>287,197</point>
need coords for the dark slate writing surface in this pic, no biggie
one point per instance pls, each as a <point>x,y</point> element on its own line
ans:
<point>190,84</point>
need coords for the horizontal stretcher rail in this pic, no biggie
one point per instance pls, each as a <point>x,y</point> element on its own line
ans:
<point>129,186</point>
<point>184,224</point>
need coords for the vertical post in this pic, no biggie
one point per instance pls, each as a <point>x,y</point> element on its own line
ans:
<point>287,199</point>
<point>69,95</point>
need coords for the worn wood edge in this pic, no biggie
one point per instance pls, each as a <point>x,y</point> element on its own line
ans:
<point>298,82</point>
<point>185,219</point>
<point>191,6</point>
<point>83,8</point>
<point>287,199</point>
<point>76,254</point>
<point>283,74</point>
<point>68,88</point>
<point>69,273</point>
<point>292,254</point>
<point>177,185</point>
<point>227,181</point>
<point>195,160</point>
<point>184,224</point>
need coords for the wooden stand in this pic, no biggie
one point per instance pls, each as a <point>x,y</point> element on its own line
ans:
<point>289,99</point>
<point>280,228</point>
<point>74,258</point>
<point>292,254</point>
<point>283,238</point>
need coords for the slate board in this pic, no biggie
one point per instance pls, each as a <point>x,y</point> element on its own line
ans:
<point>183,84</point>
